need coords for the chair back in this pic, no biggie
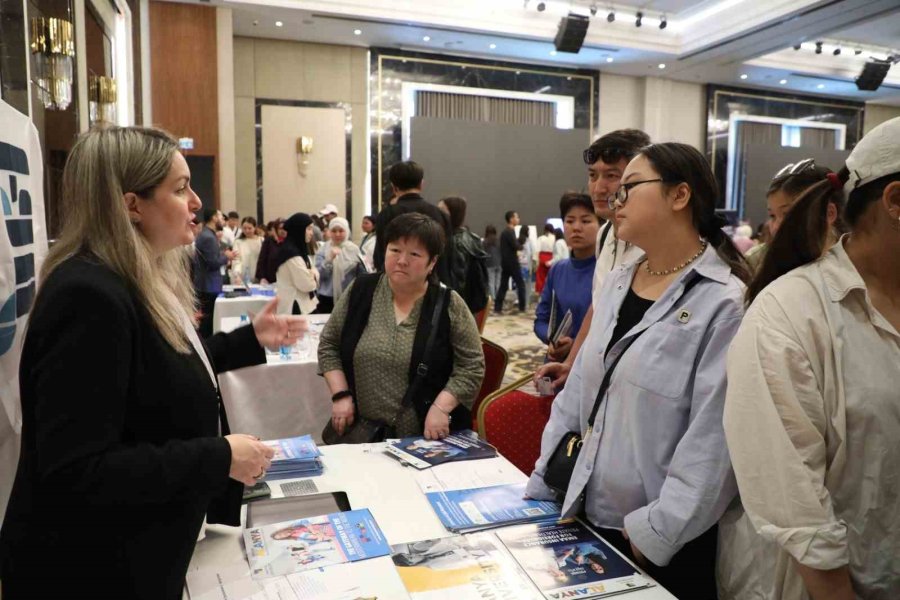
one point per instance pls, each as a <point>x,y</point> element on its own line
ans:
<point>513,421</point>
<point>496,359</point>
<point>482,315</point>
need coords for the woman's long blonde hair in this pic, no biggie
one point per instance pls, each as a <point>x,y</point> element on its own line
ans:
<point>103,166</point>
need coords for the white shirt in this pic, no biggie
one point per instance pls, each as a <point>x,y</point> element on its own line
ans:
<point>812,419</point>
<point>546,242</point>
<point>614,253</point>
<point>295,281</point>
<point>560,251</point>
<point>229,235</point>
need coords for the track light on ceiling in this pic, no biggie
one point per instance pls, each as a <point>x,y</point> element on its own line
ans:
<point>837,51</point>
<point>593,10</point>
<point>796,46</point>
<point>818,47</point>
<point>858,51</point>
<point>611,17</point>
<point>662,22</point>
<point>640,17</point>
<point>541,7</point>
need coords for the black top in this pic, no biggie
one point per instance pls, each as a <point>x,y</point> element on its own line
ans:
<point>411,203</point>
<point>509,248</point>
<point>121,448</point>
<point>630,314</point>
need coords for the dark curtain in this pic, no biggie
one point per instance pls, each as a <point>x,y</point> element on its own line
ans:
<point>443,105</point>
<point>749,132</point>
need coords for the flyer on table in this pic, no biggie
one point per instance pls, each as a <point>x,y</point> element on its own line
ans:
<point>422,453</point>
<point>293,449</point>
<point>462,510</point>
<point>567,561</point>
<point>303,544</point>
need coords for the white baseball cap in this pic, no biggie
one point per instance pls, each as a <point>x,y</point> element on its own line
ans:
<point>328,209</point>
<point>876,155</point>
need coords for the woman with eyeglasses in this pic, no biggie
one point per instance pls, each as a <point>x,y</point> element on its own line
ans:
<point>787,185</point>
<point>812,415</point>
<point>653,474</point>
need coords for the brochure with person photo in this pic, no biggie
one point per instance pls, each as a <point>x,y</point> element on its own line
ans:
<point>568,560</point>
<point>303,544</point>
<point>423,454</point>
<point>470,567</point>
<point>462,511</point>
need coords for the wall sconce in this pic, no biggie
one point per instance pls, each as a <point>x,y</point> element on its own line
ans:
<point>53,51</point>
<point>102,94</point>
<point>304,149</point>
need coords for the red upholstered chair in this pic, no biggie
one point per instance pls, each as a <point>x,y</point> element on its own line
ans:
<point>482,315</point>
<point>495,361</point>
<point>513,421</point>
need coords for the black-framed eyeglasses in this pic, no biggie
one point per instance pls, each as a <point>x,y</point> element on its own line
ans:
<point>806,164</point>
<point>621,196</point>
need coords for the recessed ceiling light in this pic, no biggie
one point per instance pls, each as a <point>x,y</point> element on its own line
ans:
<point>278,24</point>
<point>492,46</point>
<point>821,86</point>
<point>783,81</point>
<point>661,65</point>
<point>609,59</point>
<point>553,53</point>
<point>427,38</point>
<point>357,32</point>
<point>744,76</point>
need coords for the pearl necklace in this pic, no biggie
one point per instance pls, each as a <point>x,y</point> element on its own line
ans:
<point>679,267</point>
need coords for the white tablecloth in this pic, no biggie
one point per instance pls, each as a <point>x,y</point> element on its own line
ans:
<point>392,492</point>
<point>235,307</point>
<point>282,398</point>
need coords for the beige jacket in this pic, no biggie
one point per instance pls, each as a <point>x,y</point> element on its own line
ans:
<point>295,281</point>
<point>812,420</point>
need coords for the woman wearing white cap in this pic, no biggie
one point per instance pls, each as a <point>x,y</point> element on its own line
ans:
<point>338,261</point>
<point>812,414</point>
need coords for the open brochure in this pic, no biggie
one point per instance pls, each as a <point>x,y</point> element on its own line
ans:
<point>470,567</point>
<point>568,560</point>
<point>303,544</point>
<point>461,511</point>
<point>422,453</point>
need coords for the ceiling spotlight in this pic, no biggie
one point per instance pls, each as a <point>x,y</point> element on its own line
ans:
<point>663,23</point>
<point>818,47</point>
<point>744,76</point>
<point>783,81</point>
<point>661,66</point>
<point>427,38</point>
<point>593,10</point>
<point>640,17</point>
<point>837,52</point>
<point>609,59</point>
<point>796,46</point>
<point>553,53</point>
<point>611,17</point>
<point>492,46</point>
<point>357,32</point>
<point>821,86</point>
<point>541,7</point>
<point>858,51</point>
<point>279,24</point>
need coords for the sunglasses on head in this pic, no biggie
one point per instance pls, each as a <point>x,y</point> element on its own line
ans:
<point>798,167</point>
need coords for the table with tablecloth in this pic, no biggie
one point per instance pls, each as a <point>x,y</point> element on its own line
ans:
<point>248,305</point>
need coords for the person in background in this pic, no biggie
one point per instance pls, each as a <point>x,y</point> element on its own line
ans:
<point>491,244</point>
<point>741,238</point>
<point>509,263</point>
<point>467,260</point>
<point>367,245</point>
<point>811,413</point>
<point>544,256</point>
<point>525,257</point>
<point>125,445</point>
<point>653,474</point>
<point>787,185</point>
<point>267,263</point>
<point>606,160</point>
<point>560,247</point>
<point>406,186</point>
<point>328,212</point>
<point>569,282</point>
<point>338,262</point>
<point>209,260</point>
<point>297,278</point>
<point>248,246</point>
<point>365,355</point>
<point>231,228</point>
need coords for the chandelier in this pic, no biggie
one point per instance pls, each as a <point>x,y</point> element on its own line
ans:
<point>102,94</point>
<point>53,51</point>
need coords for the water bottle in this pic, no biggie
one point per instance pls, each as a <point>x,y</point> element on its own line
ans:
<point>245,320</point>
<point>285,352</point>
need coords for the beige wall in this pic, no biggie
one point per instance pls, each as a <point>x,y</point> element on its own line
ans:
<point>668,110</point>
<point>298,71</point>
<point>876,114</point>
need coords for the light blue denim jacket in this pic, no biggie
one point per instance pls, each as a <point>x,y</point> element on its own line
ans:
<point>656,462</point>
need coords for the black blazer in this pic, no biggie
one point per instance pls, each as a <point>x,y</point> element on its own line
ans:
<point>121,449</point>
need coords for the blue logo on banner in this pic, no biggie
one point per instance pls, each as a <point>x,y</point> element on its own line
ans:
<point>16,206</point>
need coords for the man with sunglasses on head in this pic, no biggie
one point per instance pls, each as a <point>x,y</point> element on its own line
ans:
<point>606,160</point>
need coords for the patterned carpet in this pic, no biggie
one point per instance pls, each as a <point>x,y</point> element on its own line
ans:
<point>514,331</point>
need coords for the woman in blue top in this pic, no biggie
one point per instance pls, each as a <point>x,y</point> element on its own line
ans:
<point>568,285</point>
<point>653,473</point>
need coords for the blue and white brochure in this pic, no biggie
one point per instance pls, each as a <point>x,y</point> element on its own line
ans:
<point>422,453</point>
<point>304,544</point>
<point>483,508</point>
<point>293,450</point>
<point>567,560</point>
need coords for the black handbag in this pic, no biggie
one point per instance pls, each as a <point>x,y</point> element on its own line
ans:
<point>561,465</point>
<point>367,431</point>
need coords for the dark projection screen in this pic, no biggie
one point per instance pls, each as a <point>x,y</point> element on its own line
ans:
<point>498,167</point>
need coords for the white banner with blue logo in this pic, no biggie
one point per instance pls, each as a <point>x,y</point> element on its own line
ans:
<point>23,245</point>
